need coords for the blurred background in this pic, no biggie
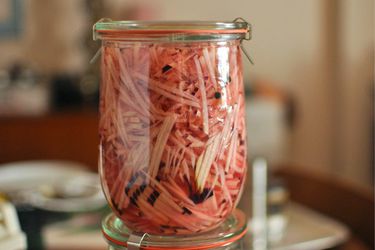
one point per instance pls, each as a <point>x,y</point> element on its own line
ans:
<point>310,100</point>
<point>314,65</point>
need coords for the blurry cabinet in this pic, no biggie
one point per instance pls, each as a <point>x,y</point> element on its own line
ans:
<point>68,136</point>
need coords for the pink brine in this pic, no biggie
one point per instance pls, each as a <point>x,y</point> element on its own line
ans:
<point>172,133</point>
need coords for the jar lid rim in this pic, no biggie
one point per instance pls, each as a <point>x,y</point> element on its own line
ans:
<point>108,28</point>
<point>170,26</point>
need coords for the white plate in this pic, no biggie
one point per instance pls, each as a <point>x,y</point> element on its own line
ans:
<point>28,174</point>
<point>52,185</point>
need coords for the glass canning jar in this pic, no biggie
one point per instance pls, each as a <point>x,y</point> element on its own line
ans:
<point>172,123</point>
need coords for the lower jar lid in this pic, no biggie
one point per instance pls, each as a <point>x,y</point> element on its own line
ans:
<point>230,231</point>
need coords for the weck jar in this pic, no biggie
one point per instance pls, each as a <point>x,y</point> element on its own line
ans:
<point>172,123</point>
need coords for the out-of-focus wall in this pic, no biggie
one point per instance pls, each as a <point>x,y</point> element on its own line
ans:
<point>355,93</point>
<point>320,52</point>
<point>286,33</point>
<point>293,46</point>
<point>51,38</point>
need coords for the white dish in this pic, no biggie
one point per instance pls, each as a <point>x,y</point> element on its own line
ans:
<point>52,185</point>
<point>28,174</point>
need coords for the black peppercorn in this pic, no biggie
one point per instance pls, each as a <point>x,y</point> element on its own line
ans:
<point>166,68</point>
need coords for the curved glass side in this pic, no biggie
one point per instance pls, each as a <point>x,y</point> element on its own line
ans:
<point>229,232</point>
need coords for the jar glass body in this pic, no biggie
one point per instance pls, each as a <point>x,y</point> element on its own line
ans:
<point>172,133</point>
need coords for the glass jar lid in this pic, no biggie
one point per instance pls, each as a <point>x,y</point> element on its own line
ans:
<point>171,30</point>
<point>230,231</point>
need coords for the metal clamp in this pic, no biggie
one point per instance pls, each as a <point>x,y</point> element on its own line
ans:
<point>105,19</point>
<point>94,35</point>
<point>248,27</point>
<point>135,241</point>
<point>248,37</point>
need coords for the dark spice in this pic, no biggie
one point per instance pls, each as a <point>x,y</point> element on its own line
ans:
<point>161,165</point>
<point>152,198</point>
<point>186,211</point>
<point>156,194</point>
<point>142,187</point>
<point>137,192</point>
<point>217,95</point>
<point>131,182</point>
<point>166,68</point>
<point>133,201</point>
<point>201,197</point>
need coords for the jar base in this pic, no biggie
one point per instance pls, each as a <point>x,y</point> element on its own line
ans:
<point>230,232</point>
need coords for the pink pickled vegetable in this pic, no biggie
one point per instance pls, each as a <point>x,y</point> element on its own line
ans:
<point>172,132</point>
